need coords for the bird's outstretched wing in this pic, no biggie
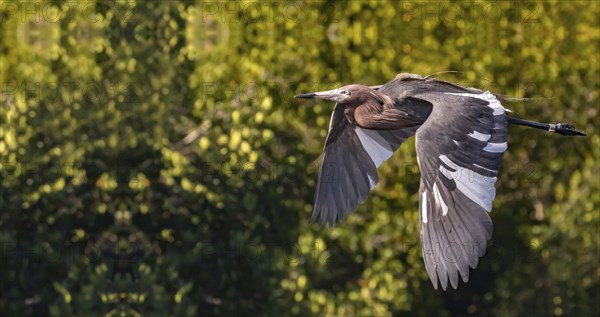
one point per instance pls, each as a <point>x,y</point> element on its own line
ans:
<point>349,164</point>
<point>459,151</point>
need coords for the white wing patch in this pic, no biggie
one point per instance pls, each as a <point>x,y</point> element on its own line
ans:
<point>439,200</point>
<point>374,144</point>
<point>424,206</point>
<point>487,96</point>
<point>480,136</point>
<point>372,182</point>
<point>495,147</point>
<point>493,103</point>
<point>478,188</point>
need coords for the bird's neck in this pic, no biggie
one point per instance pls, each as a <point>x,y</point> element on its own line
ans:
<point>382,99</point>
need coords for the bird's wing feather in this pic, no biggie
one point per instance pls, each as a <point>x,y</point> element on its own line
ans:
<point>349,164</point>
<point>459,151</point>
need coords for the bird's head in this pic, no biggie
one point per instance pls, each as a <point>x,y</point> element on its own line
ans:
<point>350,94</point>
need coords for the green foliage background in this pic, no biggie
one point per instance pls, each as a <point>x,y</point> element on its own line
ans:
<point>154,163</point>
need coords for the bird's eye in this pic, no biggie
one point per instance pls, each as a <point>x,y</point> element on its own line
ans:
<point>346,92</point>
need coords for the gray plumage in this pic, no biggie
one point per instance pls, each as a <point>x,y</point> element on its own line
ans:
<point>461,135</point>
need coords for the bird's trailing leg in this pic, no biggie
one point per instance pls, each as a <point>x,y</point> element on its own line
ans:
<point>560,128</point>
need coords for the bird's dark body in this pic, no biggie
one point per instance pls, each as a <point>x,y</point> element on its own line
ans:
<point>461,136</point>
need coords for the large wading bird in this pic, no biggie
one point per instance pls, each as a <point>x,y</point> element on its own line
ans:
<point>461,135</point>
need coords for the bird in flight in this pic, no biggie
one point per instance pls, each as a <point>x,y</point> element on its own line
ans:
<point>461,135</point>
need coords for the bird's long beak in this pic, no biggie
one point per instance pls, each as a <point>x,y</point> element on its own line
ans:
<point>309,95</point>
<point>326,95</point>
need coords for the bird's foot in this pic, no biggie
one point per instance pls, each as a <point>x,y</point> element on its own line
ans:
<point>566,129</point>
